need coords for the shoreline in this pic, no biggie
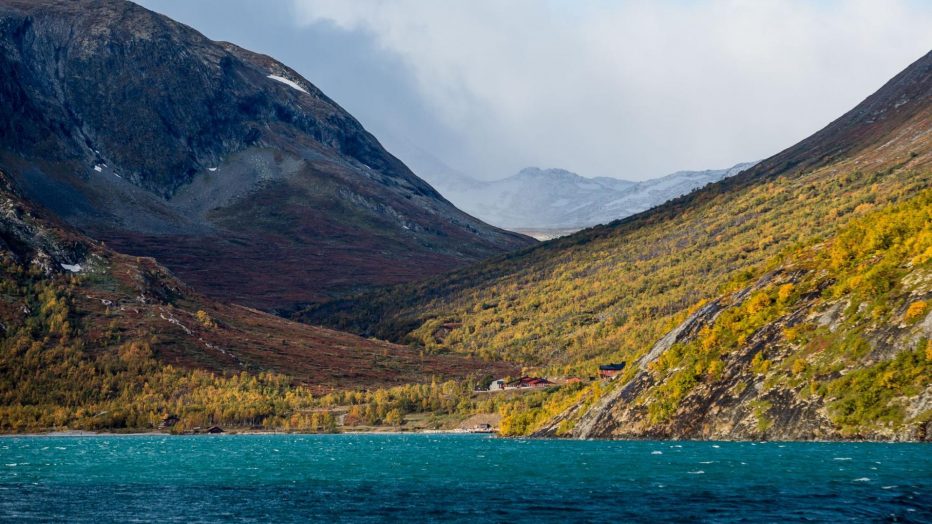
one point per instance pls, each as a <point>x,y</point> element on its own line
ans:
<point>233,432</point>
<point>87,433</point>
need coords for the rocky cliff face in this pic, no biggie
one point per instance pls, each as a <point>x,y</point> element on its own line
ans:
<point>30,243</point>
<point>226,165</point>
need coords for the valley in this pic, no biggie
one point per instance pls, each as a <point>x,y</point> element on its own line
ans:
<point>194,235</point>
<point>610,293</point>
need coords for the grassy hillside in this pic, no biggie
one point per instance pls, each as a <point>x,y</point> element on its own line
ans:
<point>829,340</point>
<point>610,293</point>
<point>93,339</point>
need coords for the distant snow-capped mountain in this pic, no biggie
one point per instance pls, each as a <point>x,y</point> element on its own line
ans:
<point>556,199</point>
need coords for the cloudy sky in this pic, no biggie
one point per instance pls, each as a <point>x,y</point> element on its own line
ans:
<point>629,89</point>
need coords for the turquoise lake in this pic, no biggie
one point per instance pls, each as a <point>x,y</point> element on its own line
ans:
<point>350,478</point>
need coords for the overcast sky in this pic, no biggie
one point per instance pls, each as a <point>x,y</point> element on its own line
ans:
<point>629,89</point>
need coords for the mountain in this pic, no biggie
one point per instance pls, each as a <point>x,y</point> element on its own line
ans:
<point>95,339</point>
<point>556,199</point>
<point>787,301</point>
<point>833,341</point>
<point>228,167</point>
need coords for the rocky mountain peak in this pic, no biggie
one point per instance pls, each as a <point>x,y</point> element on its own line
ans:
<point>225,164</point>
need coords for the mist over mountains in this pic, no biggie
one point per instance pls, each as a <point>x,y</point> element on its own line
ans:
<point>557,199</point>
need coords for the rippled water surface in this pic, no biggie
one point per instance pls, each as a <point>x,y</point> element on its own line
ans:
<point>297,478</point>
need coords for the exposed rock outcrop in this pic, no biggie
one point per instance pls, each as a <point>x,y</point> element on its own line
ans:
<point>746,402</point>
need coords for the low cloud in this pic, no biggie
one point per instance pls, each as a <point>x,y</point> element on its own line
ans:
<point>628,89</point>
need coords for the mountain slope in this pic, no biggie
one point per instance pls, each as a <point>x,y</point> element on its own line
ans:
<point>225,165</point>
<point>833,340</point>
<point>111,298</point>
<point>558,199</point>
<point>94,339</point>
<point>610,293</point>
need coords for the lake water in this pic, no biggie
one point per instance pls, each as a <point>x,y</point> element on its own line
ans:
<point>299,478</point>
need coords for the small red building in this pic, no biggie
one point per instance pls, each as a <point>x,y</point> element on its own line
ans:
<point>529,382</point>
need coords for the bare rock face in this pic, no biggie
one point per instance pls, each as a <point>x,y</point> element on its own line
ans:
<point>704,316</point>
<point>229,167</point>
<point>28,243</point>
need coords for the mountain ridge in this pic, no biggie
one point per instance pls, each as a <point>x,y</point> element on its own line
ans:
<point>557,199</point>
<point>143,133</point>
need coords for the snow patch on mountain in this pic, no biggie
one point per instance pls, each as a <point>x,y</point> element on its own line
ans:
<point>287,82</point>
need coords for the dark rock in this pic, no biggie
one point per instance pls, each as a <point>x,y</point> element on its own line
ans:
<point>143,133</point>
